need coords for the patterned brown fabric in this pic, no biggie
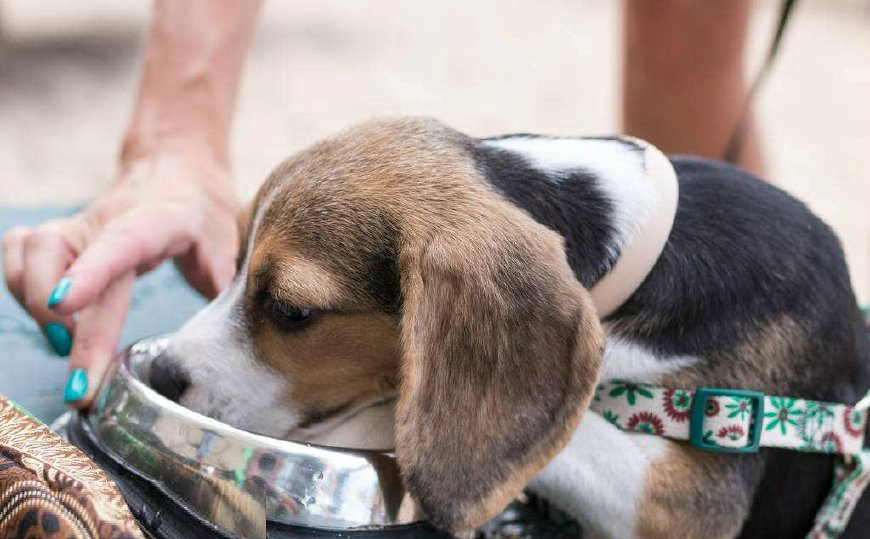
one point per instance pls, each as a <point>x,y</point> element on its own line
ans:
<point>49,489</point>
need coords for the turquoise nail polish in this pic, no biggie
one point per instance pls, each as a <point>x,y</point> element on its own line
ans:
<point>76,386</point>
<point>60,291</point>
<point>59,338</point>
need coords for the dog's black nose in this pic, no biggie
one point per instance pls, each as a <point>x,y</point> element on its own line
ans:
<point>167,378</point>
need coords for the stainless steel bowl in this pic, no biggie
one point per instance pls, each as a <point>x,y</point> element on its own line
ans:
<point>235,479</point>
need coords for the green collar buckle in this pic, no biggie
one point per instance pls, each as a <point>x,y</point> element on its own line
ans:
<point>699,409</point>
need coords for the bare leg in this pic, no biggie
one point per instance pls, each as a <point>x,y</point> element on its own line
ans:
<point>684,81</point>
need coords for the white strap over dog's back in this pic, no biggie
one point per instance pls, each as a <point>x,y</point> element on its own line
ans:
<point>641,251</point>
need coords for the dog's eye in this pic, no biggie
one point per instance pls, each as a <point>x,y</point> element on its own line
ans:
<point>290,316</point>
<point>291,312</point>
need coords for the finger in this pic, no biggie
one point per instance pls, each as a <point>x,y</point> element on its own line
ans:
<point>208,274</point>
<point>195,274</point>
<point>46,255</point>
<point>211,264</point>
<point>13,261</point>
<point>223,269</point>
<point>138,239</point>
<point>97,331</point>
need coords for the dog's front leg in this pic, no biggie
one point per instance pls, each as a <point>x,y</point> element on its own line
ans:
<point>622,485</point>
<point>599,477</point>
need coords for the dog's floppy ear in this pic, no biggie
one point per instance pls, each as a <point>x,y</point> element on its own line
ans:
<point>501,348</point>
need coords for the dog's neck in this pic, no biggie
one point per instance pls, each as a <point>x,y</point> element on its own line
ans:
<point>612,199</point>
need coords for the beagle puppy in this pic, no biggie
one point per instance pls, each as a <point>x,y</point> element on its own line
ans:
<point>402,285</point>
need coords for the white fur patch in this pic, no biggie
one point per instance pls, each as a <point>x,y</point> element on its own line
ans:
<point>227,383</point>
<point>619,169</point>
<point>599,476</point>
<point>626,360</point>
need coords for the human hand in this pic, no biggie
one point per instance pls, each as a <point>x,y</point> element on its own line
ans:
<point>75,275</point>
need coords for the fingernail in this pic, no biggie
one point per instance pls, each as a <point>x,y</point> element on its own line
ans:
<point>76,386</point>
<point>60,291</point>
<point>59,338</point>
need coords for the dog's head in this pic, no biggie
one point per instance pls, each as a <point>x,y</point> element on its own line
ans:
<point>378,265</point>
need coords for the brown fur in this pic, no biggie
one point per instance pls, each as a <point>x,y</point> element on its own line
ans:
<point>426,275</point>
<point>766,361</point>
<point>342,360</point>
<point>689,482</point>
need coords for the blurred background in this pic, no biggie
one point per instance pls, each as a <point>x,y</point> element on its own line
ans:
<point>68,75</point>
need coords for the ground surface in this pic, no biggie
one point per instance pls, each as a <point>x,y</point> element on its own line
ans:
<point>67,74</point>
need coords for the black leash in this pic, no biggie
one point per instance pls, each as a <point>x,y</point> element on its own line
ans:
<point>735,143</point>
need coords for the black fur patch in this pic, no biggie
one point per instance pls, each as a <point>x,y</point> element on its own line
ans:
<point>571,204</point>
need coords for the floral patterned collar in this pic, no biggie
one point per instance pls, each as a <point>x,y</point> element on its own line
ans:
<point>737,421</point>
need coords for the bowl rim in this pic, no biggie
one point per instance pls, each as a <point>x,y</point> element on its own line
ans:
<point>194,459</point>
<point>122,367</point>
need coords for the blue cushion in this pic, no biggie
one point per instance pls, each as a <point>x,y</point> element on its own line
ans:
<point>30,373</point>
